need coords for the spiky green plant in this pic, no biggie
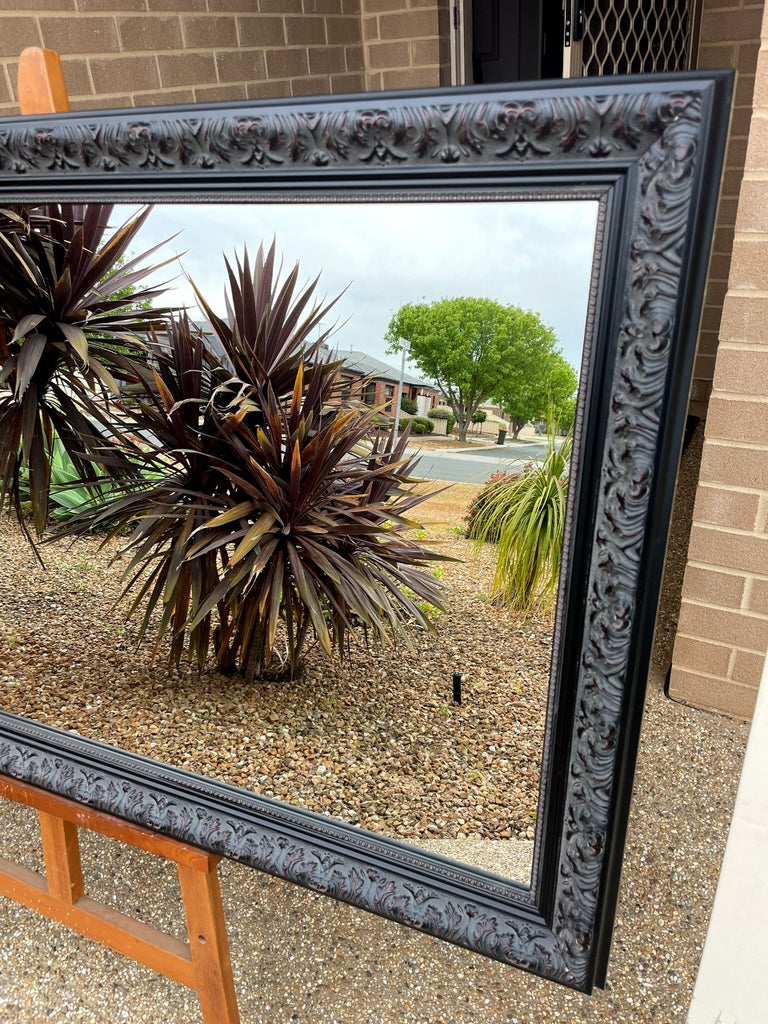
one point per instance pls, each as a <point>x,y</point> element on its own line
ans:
<point>64,328</point>
<point>525,516</point>
<point>275,521</point>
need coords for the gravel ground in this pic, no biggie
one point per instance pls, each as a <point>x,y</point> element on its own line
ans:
<point>300,957</point>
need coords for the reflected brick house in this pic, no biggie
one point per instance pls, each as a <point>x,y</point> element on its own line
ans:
<point>117,55</point>
<point>375,383</point>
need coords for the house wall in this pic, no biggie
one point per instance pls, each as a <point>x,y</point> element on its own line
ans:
<point>127,53</point>
<point>124,53</point>
<point>722,632</point>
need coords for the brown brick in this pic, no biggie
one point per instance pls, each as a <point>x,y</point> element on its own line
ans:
<point>723,626</point>
<point>106,6</point>
<point>350,6</point>
<point>280,6</point>
<point>711,586</point>
<point>715,293</point>
<point>36,6</point>
<point>704,366</point>
<point>83,34</point>
<point>735,157</point>
<point>159,97</point>
<point>758,144</point>
<point>16,33</point>
<point>425,51</point>
<point>304,30</point>
<point>740,120</point>
<point>323,7</point>
<point>386,6</point>
<point>220,93</point>
<point>186,69</point>
<point>697,655</point>
<point>722,240</point>
<point>209,33</point>
<point>232,6</point>
<point>720,547</point>
<point>733,466</point>
<point>116,102</point>
<point>746,58</point>
<point>354,56</point>
<point>287,63</point>
<point>731,187</point>
<point>351,82</point>
<point>373,81</point>
<point>183,6</point>
<point>720,506</point>
<point>748,667</point>
<point>241,65</point>
<point>710,318</point>
<point>744,91</point>
<point>717,55</point>
<point>758,597</point>
<point>408,25</point>
<point>742,371</point>
<point>268,90</point>
<point>410,78</point>
<point>733,25</point>
<point>389,55</point>
<point>317,86</point>
<point>745,319</point>
<point>343,30</point>
<point>261,31</point>
<point>326,60</point>
<point>708,342</point>
<point>710,693</point>
<point>150,33</point>
<point>732,420</point>
<point>77,77</point>
<point>124,74</point>
<point>719,266</point>
<point>5,90</point>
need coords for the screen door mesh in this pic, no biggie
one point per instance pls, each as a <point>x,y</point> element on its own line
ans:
<point>624,37</point>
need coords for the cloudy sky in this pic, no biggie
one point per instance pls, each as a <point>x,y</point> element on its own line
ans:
<point>536,255</point>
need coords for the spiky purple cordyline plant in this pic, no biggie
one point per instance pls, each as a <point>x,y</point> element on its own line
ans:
<point>275,519</point>
<point>65,330</point>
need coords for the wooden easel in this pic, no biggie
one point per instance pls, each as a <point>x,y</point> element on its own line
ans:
<point>203,963</point>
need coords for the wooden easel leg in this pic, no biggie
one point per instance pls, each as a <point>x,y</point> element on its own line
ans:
<point>61,852</point>
<point>40,82</point>
<point>208,943</point>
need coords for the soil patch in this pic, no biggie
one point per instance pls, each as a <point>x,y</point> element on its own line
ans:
<point>376,741</point>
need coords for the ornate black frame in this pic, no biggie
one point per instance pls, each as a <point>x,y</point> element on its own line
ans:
<point>651,148</point>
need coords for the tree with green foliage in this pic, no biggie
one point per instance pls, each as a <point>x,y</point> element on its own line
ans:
<point>540,386</point>
<point>473,348</point>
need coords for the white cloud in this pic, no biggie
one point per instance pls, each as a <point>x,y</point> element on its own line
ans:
<point>536,255</point>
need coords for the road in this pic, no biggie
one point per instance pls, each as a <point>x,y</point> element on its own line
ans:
<point>475,465</point>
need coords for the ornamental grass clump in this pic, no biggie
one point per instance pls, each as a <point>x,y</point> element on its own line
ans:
<point>525,516</point>
<point>67,338</point>
<point>277,518</point>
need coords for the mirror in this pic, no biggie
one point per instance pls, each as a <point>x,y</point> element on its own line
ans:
<point>454,168</point>
<point>461,779</point>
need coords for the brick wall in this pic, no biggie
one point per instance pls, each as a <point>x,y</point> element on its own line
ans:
<point>723,628</point>
<point>729,38</point>
<point>122,53</point>
<point>406,43</point>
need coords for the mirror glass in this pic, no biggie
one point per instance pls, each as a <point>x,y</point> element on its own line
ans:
<point>377,740</point>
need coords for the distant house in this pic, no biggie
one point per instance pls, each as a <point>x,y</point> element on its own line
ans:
<point>375,383</point>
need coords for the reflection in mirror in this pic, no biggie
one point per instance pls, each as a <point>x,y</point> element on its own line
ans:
<point>376,740</point>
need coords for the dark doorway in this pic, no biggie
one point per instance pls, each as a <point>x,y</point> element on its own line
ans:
<point>516,40</point>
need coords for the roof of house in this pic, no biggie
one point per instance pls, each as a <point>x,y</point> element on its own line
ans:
<point>368,366</point>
